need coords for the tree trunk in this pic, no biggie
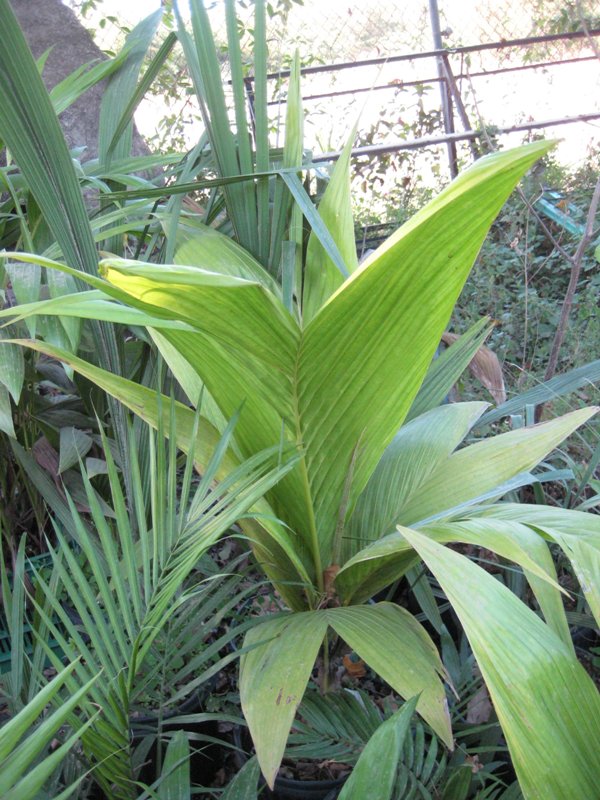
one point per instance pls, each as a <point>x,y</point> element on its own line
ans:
<point>50,24</point>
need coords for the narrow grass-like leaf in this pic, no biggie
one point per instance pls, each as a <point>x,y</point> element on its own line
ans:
<point>16,759</point>
<point>292,157</point>
<point>140,92</point>
<point>318,226</point>
<point>30,129</point>
<point>446,369</point>
<point>322,276</point>
<point>243,129</point>
<point>207,183</point>
<point>545,392</point>
<point>120,625</point>
<point>65,93</point>
<point>261,128</point>
<point>14,613</point>
<point>29,786</point>
<point>121,90</point>
<point>205,69</point>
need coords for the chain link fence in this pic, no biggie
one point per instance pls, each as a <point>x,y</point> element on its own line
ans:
<point>508,66</point>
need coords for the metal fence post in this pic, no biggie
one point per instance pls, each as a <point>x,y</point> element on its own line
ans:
<point>446,97</point>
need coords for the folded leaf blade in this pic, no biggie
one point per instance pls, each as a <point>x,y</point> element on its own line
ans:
<point>273,678</point>
<point>477,470</point>
<point>547,705</point>
<point>398,648</point>
<point>406,465</point>
<point>365,354</point>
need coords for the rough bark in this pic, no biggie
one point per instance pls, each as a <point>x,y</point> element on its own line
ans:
<point>50,24</point>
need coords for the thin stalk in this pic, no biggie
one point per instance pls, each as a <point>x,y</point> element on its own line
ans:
<point>312,523</point>
<point>25,232</point>
<point>325,673</point>
<point>576,263</point>
<point>160,711</point>
<point>262,130</point>
<point>154,512</point>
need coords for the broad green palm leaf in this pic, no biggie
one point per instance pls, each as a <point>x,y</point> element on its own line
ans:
<point>273,677</point>
<point>576,532</point>
<point>546,703</point>
<point>422,478</point>
<point>318,385</point>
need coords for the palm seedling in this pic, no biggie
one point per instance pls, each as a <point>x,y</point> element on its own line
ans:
<point>335,360</point>
<point>135,599</point>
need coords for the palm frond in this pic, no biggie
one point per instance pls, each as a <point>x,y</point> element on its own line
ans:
<point>131,594</point>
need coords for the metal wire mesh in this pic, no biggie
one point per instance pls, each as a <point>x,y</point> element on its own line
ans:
<point>341,30</point>
<point>501,86</point>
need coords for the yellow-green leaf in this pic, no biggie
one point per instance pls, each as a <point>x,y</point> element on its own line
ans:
<point>547,704</point>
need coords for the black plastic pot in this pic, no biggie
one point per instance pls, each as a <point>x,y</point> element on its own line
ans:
<point>289,788</point>
<point>206,756</point>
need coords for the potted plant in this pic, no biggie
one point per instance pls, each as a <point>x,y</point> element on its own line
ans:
<point>141,591</point>
<point>332,361</point>
<point>373,339</point>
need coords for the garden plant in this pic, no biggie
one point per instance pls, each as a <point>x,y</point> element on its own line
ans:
<point>353,470</point>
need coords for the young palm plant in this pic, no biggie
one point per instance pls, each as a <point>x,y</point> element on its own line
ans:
<point>123,603</point>
<point>332,360</point>
<point>339,387</point>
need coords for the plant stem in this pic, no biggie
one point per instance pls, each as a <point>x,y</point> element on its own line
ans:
<point>576,262</point>
<point>310,511</point>
<point>325,672</point>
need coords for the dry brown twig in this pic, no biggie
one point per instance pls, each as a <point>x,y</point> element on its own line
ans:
<point>576,262</point>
